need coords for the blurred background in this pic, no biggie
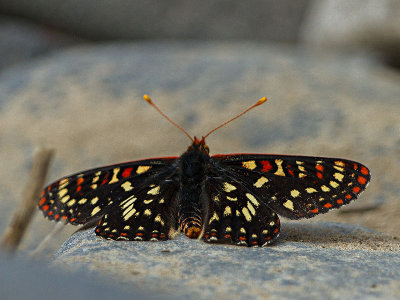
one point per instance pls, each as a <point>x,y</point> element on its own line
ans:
<point>30,29</point>
<point>72,74</point>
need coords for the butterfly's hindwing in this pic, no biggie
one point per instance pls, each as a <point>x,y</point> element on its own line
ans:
<point>148,213</point>
<point>85,196</point>
<point>237,216</point>
<point>297,186</point>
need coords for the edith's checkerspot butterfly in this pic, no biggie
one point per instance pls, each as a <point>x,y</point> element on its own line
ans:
<point>224,198</point>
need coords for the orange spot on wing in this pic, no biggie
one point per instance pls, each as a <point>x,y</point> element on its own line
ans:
<point>72,220</point>
<point>364,170</point>
<point>319,175</point>
<point>356,189</point>
<point>78,188</point>
<point>314,211</point>
<point>291,172</point>
<point>127,172</point>
<point>319,167</point>
<point>266,166</point>
<point>42,201</point>
<point>276,230</point>
<point>97,230</point>
<point>45,207</point>
<point>348,196</point>
<point>105,180</point>
<point>42,193</point>
<point>139,234</point>
<point>124,234</point>
<point>242,238</point>
<point>227,236</point>
<point>80,181</point>
<point>328,205</point>
<point>57,216</point>
<point>362,180</point>
<point>64,217</point>
<point>50,213</point>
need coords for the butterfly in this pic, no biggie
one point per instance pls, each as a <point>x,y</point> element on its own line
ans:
<point>223,198</point>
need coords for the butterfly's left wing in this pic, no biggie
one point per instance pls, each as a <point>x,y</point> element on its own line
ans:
<point>297,186</point>
<point>130,200</point>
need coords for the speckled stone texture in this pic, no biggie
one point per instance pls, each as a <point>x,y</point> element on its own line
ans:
<point>328,267</point>
<point>86,103</point>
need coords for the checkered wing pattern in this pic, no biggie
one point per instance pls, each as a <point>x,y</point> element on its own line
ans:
<point>132,200</point>
<point>295,186</point>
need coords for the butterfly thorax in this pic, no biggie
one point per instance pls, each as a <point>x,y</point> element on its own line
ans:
<point>193,166</point>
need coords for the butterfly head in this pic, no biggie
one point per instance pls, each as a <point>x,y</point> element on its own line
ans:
<point>201,145</point>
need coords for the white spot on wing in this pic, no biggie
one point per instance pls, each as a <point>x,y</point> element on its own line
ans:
<point>252,199</point>
<point>294,193</point>
<point>251,164</point>
<point>289,205</point>
<point>95,210</point>
<point>260,182</point>
<point>154,191</point>
<point>279,172</point>
<point>246,214</point>
<point>229,187</point>
<point>127,186</point>
<point>114,177</point>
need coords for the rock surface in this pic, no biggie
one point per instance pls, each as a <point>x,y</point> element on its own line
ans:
<point>332,264</point>
<point>21,41</point>
<point>22,279</point>
<point>86,102</point>
<point>358,23</point>
<point>174,19</point>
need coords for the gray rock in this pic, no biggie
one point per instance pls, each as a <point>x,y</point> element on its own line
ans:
<point>357,23</point>
<point>21,41</point>
<point>86,102</point>
<point>179,19</point>
<point>327,266</point>
<point>22,279</point>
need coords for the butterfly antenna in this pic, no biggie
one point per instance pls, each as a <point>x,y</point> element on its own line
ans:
<point>148,99</point>
<point>259,102</point>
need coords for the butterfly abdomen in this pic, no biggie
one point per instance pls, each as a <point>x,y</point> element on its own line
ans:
<point>194,164</point>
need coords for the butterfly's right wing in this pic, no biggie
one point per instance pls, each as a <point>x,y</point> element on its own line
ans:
<point>133,200</point>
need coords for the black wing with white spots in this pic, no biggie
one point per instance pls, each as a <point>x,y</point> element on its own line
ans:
<point>143,187</point>
<point>236,215</point>
<point>297,186</point>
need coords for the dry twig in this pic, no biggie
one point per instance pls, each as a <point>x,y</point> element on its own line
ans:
<point>30,197</point>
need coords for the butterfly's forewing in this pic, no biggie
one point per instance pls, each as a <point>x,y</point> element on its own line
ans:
<point>297,186</point>
<point>85,196</point>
